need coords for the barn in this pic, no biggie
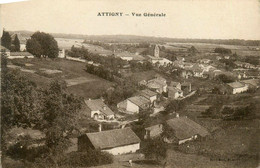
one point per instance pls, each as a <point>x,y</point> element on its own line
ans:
<point>116,142</point>
<point>186,129</point>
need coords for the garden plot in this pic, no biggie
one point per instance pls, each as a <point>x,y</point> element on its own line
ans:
<point>20,68</point>
<point>50,71</point>
<point>77,81</point>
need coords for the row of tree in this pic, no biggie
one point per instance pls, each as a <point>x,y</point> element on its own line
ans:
<point>9,43</point>
<point>40,44</point>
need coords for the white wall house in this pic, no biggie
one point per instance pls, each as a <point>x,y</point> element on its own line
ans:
<point>99,110</point>
<point>132,107</point>
<point>237,87</point>
<point>132,148</point>
<point>127,58</point>
<point>134,104</point>
<point>61,53</point>
<point>116,142</point>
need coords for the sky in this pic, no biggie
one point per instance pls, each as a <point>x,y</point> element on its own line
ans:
<point>203,19</point>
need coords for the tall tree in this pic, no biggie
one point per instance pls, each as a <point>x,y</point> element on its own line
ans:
<point>34,47</point>
<point>6,40</point>
<point>16,43</point>
<point>48,45</point>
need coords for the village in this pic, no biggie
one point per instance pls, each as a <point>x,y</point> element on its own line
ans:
<point>179,96</point>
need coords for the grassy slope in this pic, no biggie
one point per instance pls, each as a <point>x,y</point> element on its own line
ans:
<point>70,69</point>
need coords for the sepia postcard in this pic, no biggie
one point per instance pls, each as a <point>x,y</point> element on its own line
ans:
<point>130,83</point>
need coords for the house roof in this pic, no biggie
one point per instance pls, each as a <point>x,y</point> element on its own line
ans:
<point>20,54</point>
<point>174,83</point>
<point>155,58</point>
<point>156,83</point>
<point>148,93</point>
<point>186,128</point>
<point>139,100</point>
<point>254,82</point>
<point>236,84</point>
<point>99,105</point>
<point>122,104</point>
<point>113,138</point>
<point>174,89</point>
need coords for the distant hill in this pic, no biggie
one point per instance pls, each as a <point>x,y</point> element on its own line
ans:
<point>139,39</point>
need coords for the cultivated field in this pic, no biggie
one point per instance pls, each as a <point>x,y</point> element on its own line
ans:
<point>205,47</point>
<point>79,82</point>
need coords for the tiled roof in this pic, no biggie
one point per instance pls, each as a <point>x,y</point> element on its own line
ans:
<point>113,138</point>
<point>139,100</point>
<point>174,83</point>
<point>254,82</point>
<point>98,104</point>
<point>174,89</point>
<point>236,84</point>
<point>20,54</point>
<point>186,128</point>
<point>148,93</point>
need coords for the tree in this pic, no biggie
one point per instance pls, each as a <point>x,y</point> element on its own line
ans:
<point>48,45</point>
<point>168,132</point>
<point>34,47</point>
<point>193,50</point>
<point>60,116</point>
<point>16,44</point>
<point>225,78</point>
<point>155,148</point>
<point>6,40</point>
<point>222,50</point>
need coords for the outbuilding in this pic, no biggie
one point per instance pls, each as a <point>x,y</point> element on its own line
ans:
<point>116,142</point>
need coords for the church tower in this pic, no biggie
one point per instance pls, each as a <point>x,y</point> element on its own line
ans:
<point>156,51</point>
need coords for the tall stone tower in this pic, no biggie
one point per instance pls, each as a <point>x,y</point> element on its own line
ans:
<point>156,51</point>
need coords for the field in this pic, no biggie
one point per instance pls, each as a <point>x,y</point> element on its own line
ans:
<point>79,82</point>
<point>68,43</point>
<point>206,48</point>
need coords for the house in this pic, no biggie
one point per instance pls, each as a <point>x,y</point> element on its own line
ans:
<point>158,84</point>
<point>116,141</point>
<point>136,103</point>
<point>205,61</point>
<point>4,50</point>
<point>180,58</point>
<point>186,87</point>
<point>176,84</point>
<point>14,55</point>
<point>218,57</point>
<point>153,131</point>
<point>186,73</point>
<point>99,110</point>
<point>61,53</point>
<point>252,83</point>
<point>152,96</point>
<point>186,129</point>
<point>197,71</point>
<point>177,63</point>
<point>237,87</point>
<point>227,57</point>
<point>174,92</point>
<point>126,56</point>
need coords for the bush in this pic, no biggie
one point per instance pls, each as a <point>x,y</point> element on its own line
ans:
<point>88,158</point>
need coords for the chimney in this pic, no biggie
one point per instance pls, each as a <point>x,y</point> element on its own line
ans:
<point>104,108</point>
<point>99,127</point>
<point>177,115</point>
